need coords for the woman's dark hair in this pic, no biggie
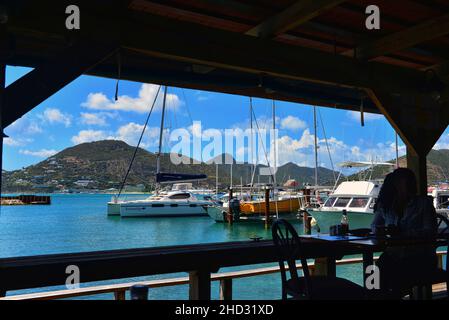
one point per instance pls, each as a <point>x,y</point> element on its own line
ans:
<point>398,189</point>
<point>385,199</point>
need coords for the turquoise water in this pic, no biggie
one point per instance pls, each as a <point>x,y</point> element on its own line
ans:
<point>78,222</point>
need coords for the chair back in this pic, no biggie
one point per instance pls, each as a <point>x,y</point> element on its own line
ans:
<point>443,229</point>
<point>288,246</point>
<point>442,224</point>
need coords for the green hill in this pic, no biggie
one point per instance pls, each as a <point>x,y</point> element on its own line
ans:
<point>437,167</point>
<point>103,164</point>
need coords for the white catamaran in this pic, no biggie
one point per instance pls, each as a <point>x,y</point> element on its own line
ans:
<point>176,203</point>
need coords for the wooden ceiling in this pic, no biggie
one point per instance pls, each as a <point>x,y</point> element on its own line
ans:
<point>308,51</point>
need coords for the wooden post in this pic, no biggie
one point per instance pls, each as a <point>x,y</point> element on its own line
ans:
<point>267,206</point>
<point>307,222</point>
<point>417,163</point>
<point>325,267</point>
<point>120,295</point>
<point>230,218</point>
<point>199,285</point>
<point>226,289</point>
<point>440,261</point>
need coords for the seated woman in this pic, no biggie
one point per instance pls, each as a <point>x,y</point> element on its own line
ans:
<point>399,207</point>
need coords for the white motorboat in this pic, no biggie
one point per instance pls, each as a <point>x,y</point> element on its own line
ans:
<point>356,197</point>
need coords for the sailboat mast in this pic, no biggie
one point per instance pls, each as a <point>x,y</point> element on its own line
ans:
<point>251,148</point>
<point>316,145</point>
<point>216,179</point>
<point>158,163</point>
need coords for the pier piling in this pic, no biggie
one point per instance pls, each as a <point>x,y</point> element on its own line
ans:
<point>267,207</point>
<point>307,219</point>
<point>229,216</point>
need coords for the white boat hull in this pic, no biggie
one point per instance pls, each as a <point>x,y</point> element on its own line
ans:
<point>163,209</point>
<point>114,208</point>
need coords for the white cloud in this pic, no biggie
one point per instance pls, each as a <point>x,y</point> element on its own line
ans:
<point>89,136</point>
<point>54,115</point>
<point>355,115</point>
<point>17,142</point>
<point>443,142</point>
<point>43,153</point>
<point>23,126</point>
<point>98,119</point>
<point>293,123</point>
<point>131,132</point>
<point>141,103</point>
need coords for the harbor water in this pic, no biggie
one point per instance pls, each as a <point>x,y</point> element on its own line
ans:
<point>78,223</point>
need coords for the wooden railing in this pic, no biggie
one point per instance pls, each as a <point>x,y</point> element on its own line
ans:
<point>225,279</point>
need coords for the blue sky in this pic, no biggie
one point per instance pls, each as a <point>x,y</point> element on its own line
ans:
<point>86,110</point>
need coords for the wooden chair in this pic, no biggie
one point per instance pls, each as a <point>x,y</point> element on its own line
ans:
<point>288,246</point>
<point>439,275</point>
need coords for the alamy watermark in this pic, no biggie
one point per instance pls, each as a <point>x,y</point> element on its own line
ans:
<point>73,279</point>
<point>225,146</point>
<point>73,20</point>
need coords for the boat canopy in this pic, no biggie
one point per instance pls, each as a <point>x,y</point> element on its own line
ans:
<point>363,164</point>
<point>178,177</point>
<point>357,188</point>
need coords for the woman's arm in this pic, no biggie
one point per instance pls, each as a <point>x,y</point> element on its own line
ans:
<point>379,219</point>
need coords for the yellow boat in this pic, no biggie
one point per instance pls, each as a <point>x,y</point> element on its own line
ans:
<point>258,207</point>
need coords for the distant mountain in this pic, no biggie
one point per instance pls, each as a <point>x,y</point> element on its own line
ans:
<point>103,164</point>
<point>437,167</point>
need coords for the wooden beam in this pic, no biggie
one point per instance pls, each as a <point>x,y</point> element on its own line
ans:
<point>293,16</point>
<point>195,44</point>
<point>409,37</point>
<point>33,88</point>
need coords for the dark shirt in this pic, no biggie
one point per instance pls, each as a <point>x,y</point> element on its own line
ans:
<point>418,221</point>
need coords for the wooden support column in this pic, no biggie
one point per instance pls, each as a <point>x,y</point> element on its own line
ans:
<point>417,163</point>
<point>199,285</point>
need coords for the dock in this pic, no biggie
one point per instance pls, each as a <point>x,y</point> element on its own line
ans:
<point>25,200</point>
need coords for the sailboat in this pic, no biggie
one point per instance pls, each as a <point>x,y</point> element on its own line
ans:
<point>254,208</point>
<point>175,203</point>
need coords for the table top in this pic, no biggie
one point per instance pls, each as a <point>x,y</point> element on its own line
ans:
<point>374,243</point>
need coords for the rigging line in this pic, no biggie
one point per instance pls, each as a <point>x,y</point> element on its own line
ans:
<point>253,171</point>
<point>138,143</point>
<point>191,120</point>
<point>187,105</point>
<point>263,145</point>
<point>327,145</point>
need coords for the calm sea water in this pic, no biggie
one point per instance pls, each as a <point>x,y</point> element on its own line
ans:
<point>78,222</point>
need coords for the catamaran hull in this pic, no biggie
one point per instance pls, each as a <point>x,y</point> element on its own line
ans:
<point>113,209</point>
<point>326,219</point>
<point>162,210</point>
